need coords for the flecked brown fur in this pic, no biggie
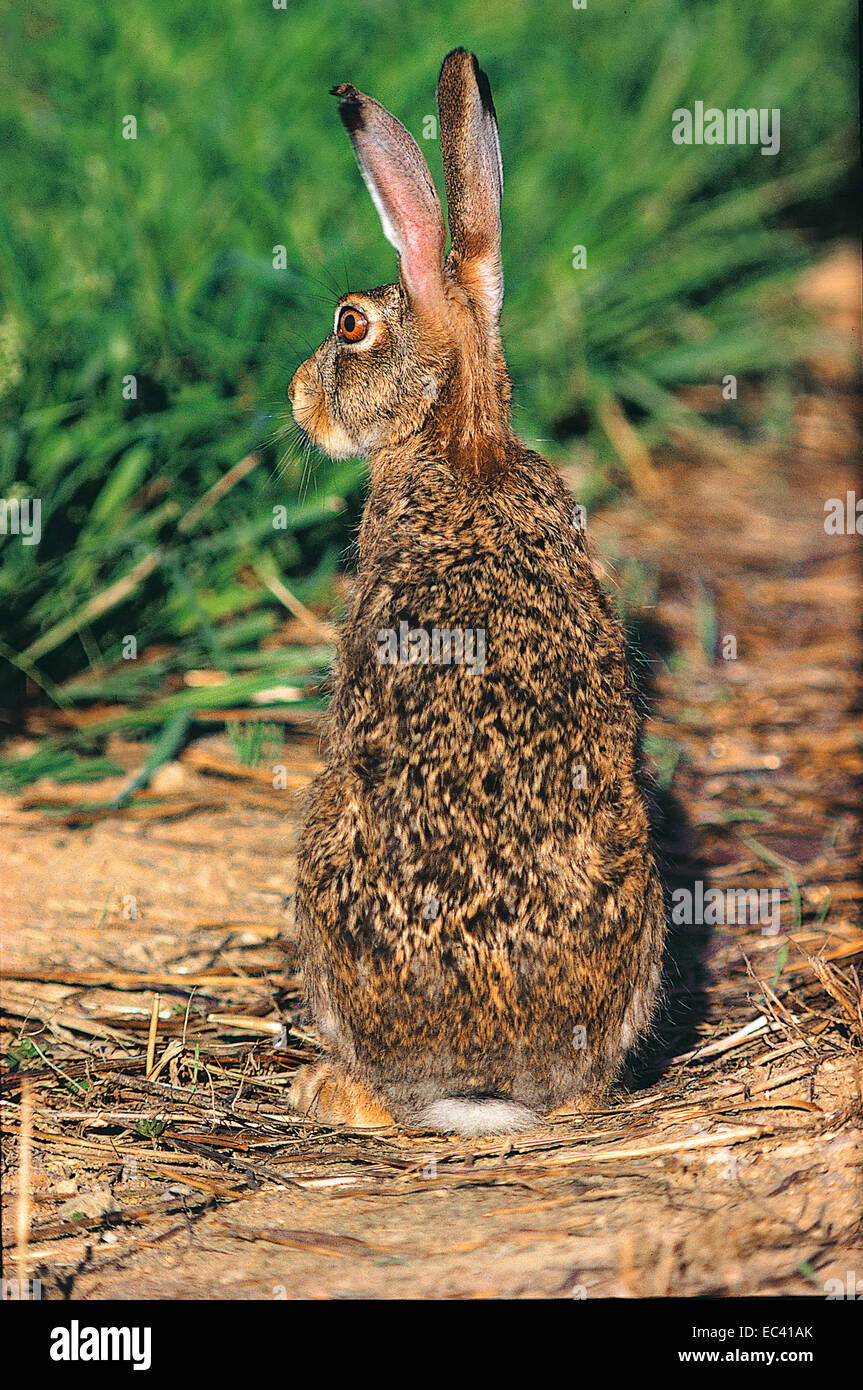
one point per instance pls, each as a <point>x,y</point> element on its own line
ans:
<point>480,913</point>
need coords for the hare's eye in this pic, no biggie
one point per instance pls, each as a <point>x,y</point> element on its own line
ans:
<point>353,325</point>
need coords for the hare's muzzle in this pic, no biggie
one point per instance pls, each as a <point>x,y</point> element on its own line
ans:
<point>308,400</point>
<point>304,388</point>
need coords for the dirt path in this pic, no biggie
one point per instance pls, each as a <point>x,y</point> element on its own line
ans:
<point>728,1164</point>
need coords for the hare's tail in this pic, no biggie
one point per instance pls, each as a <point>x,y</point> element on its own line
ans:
<point>474,1115</point>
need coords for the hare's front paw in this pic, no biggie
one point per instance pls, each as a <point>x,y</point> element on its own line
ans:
<point>328,1094</point>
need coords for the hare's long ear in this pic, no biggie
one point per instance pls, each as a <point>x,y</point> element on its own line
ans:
<point>402,190</point>
<point>473,172</point>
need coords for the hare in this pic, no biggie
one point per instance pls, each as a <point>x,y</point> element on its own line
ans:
<point>481,922</point>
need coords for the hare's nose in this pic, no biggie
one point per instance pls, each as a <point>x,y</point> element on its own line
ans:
<point>292,385</point>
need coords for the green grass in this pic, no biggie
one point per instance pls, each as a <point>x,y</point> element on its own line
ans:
<point>154,258</point>
<point>256,744</point>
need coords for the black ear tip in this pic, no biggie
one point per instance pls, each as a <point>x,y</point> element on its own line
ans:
<point>484,88</point>
<point>479,77</point>
<point>350,106</point>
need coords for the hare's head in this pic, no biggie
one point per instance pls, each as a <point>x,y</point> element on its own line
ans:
<point>420,359</point>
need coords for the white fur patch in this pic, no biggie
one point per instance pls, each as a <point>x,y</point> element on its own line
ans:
<point>457,1115</point>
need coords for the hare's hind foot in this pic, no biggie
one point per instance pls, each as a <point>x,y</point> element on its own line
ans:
<point>578,1106</point>
<point>326,1093</point>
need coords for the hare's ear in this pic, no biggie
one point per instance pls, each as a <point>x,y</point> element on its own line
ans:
<point>473,172</point>
<point>403,192</point>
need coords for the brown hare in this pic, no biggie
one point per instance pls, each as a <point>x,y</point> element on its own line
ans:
<point>481,921</point>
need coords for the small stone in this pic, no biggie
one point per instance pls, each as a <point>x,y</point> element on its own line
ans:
<point>170,778</point>
<point>97,1203</point>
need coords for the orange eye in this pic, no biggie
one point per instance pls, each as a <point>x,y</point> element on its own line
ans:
<point>353,325</point>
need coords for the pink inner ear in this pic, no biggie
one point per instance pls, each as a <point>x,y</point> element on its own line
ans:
<point>398,179</point>
<point>417,233</point>
<point>421,261</point>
